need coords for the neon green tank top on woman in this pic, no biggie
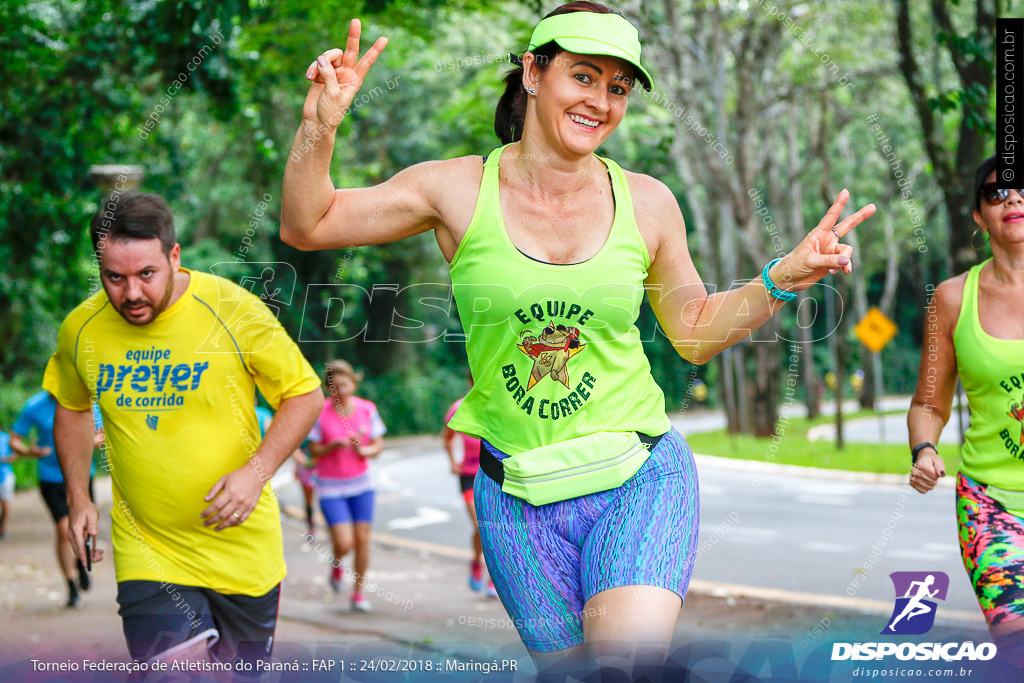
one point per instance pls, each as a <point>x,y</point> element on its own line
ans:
<point>554,349</point>
<point>992,372</point>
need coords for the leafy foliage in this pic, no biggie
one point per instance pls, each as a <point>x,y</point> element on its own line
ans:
<point>80,80</point>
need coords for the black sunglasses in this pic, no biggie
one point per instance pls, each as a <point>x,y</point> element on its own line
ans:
<point>995,195</point>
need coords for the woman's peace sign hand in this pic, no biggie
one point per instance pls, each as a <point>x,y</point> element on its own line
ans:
<point>337,77</point>
<point>820,252</point>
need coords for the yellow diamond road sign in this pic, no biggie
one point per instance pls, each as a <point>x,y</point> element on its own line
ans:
<point>875,330</point>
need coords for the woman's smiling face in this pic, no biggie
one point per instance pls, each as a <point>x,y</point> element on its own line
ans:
<point>1003,221</point>
<point>580,98</point>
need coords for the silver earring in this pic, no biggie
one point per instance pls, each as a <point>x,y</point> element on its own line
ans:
<point>532,91</point>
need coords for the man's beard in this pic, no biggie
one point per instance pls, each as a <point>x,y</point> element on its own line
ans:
<point>157,310</point>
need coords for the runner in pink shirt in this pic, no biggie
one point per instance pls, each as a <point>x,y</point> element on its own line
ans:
<point>466,469</point>
<point>348,433</point>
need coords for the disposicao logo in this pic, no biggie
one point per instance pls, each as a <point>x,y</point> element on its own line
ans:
<point>916,593</point>
<point>914,614</point>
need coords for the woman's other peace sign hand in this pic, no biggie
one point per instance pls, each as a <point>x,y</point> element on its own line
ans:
<point>820,252</point>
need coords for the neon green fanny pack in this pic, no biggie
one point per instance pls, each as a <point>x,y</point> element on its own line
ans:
<point>572,468</point>
<point>1013,501</point>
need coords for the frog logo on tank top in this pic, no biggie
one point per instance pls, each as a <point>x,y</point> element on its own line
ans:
<point>551,351</point>
<point>1012,441</point>
<point>1017,413</point>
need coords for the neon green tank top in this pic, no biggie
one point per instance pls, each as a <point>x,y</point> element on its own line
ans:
<point>554,349</point>
<point>992,372</point>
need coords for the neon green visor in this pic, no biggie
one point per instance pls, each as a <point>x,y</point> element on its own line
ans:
<point>588,33</point>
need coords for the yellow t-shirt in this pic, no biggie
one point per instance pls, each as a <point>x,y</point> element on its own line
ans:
<point>178,404</point>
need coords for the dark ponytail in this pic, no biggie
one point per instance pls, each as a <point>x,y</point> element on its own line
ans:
<point>510,114</point>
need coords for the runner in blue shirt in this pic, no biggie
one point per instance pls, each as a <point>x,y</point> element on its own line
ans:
<point>6,481</point>
<point>37,415</point>
<point>264,417</point>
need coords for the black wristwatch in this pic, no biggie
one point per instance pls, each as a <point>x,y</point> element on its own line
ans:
<point>920,447</point>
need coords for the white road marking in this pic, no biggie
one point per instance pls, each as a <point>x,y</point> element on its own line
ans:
<point>384,480</point>
<point>425,516</point>
<point>392,497</point>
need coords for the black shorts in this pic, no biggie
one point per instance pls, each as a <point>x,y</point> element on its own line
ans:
<point>161,619</point>
<point>55,495</point>
<point>466,482</point>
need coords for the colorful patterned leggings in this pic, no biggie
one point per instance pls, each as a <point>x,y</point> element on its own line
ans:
<point>992,545</point>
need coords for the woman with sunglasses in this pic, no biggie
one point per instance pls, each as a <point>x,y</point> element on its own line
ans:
<point>975,331</point>
<point>587,498</point>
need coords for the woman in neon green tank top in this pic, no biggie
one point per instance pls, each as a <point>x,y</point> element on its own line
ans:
<point>975,330</point>
<point>588,502</point>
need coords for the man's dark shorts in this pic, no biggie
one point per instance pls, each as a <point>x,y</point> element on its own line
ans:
<point>160,620</point>
<point>55,495</point>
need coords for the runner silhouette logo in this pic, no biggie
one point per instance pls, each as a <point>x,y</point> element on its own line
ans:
<point>916,593</point>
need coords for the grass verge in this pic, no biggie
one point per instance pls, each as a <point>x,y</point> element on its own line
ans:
<point>794,448</point>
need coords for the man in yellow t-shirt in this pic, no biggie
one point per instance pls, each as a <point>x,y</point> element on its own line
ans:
<point>174,357</point>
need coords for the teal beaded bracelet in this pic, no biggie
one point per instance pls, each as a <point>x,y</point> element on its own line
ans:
<point>772,288</point>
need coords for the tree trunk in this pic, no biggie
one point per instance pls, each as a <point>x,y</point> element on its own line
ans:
<point>739,369</point>
<point>727,389</point>
<point>972,56</point>
<point>726,81</point>
<point>767,380</point>
<point>840,371</point>
<point>834,319</point>
<point>805,306</point>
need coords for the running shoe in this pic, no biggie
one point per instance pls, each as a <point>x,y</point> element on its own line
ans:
<point>336,579</point>
<point>491,593</point>
<point>360,603</point>
<point>476,576</point>
<point>83,576</point>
